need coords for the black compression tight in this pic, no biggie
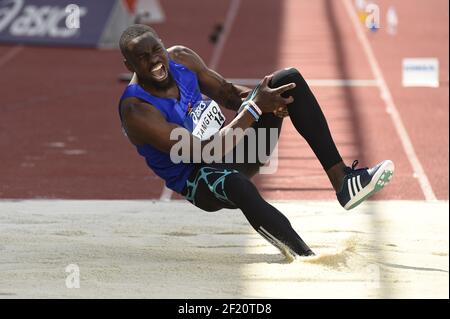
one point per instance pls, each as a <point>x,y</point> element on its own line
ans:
<point>308,118</point>
<point>265,219</point>
<point>212,188</point>
<point>215,186</point>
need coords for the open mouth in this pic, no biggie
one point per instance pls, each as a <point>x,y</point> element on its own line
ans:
<point>159,72</point>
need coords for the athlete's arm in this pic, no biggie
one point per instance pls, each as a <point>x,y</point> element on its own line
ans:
<point>145,124</point>
<point>211,83</point>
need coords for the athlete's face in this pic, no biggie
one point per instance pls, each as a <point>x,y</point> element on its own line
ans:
<point>148,59</point>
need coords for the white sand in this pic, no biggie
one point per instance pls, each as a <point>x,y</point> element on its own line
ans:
<point>145,249</point>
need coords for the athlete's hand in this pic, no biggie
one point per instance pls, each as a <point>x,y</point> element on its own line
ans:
<point>281,111</point>
<point>268,99</point>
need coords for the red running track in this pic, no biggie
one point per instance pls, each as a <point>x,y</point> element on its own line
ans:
<point>60,133</point>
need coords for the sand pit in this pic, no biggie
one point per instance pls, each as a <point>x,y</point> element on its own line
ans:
<point>151,249</point>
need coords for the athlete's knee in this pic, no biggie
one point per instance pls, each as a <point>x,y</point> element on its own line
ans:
<point>238,181</point>
<point>239,188</point>
<point>294,75</point>
<point>287,75</point>
<point>292,72</point>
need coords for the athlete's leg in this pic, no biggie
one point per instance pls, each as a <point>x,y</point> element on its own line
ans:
<point>308,119</point>
<point>212,188</point>
<point>250,148</point>
<point>265,219</point>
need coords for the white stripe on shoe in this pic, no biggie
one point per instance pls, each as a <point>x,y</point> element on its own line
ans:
<point>350,191</point>
<point>354,185</point>
<point>358,180</point>
<point>386,167</point>
<point>285,250</point>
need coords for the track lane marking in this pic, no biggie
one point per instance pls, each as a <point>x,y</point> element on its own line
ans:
<point>10,54</point>
<point>316,82</point>
<point>391,108</point>
<point>233,10</point>
<point>229,21</point>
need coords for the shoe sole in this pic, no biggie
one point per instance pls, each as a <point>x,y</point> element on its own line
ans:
<point>381,178</point>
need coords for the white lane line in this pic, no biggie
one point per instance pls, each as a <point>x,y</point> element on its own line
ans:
<point>10,54</point>
<point>316,82</point>
<point>229,20</point>
<point>166,194</point>
<point>390,106</point>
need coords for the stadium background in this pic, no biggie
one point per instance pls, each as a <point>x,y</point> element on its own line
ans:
<point>61,137</point>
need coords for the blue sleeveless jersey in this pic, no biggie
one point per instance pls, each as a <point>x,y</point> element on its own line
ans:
<point>174,111</point>
<point>202,118</point>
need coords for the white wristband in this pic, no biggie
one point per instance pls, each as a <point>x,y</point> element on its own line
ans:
<point>252,111</point>
<point>257,109</point>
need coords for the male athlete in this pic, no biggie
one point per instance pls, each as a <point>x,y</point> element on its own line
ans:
<point>165,93</point>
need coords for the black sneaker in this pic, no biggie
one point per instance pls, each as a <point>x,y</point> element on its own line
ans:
<point>360,184</point>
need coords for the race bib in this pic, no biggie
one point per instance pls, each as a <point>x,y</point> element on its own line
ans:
<point>204,119</point>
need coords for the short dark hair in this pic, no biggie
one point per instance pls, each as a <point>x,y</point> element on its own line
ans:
<point>133,32</point>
